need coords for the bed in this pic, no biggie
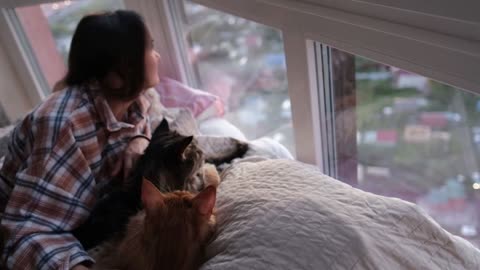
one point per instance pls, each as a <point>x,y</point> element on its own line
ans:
<point>283,214</point>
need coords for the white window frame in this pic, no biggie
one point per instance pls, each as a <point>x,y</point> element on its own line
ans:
<point>306,124</point>
<point>435,41</point>
<point>31,83</point>
<point>441,48</point>
<point>160,20</point>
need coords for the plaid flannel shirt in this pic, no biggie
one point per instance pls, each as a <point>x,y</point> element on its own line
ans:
<point>59,156</point>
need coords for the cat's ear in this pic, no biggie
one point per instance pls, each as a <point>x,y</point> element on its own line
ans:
<point>182,145</point>
<point>204,202</point>
<point>152,198</point>
<point>163,127</point>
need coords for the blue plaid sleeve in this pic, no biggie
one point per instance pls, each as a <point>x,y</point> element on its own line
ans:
<point>51,196</point>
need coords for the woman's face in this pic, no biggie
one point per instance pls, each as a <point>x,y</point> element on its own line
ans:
<point>152,59</point>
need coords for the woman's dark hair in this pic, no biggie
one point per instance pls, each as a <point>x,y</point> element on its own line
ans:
<point>109,42</point>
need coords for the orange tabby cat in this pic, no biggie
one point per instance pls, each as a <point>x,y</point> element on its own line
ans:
<point>170,233</point>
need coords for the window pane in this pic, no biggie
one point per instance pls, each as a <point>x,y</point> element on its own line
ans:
<point>410,137</point>
<point>49,28</point>
<point>243,63</point>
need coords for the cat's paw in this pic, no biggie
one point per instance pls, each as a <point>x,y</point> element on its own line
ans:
<point>211,176</point>
<point>206,176</point>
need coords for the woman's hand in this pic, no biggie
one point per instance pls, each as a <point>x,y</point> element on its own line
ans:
<point>134,150</point>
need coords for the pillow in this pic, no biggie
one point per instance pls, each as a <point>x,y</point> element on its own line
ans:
<point>217,126</point>
<point>174,94</point>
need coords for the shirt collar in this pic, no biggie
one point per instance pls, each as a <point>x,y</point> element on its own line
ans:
<point>135,113</point>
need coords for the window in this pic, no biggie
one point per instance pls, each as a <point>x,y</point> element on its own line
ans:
<point>400,134</point>
<point>49,29</point>
<point>243,63</point>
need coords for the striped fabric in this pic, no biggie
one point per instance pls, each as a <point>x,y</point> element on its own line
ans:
<point>59,156</point>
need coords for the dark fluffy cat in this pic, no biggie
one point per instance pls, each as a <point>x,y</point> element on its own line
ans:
<point>171,161</point>
<point>170,233</point>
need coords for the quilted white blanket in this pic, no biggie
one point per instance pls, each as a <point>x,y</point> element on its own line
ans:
<point>280,214</point>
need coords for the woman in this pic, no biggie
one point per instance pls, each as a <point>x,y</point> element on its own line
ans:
<point>76,141</point>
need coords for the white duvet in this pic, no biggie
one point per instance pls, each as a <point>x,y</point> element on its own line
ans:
<point>280,214</point>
